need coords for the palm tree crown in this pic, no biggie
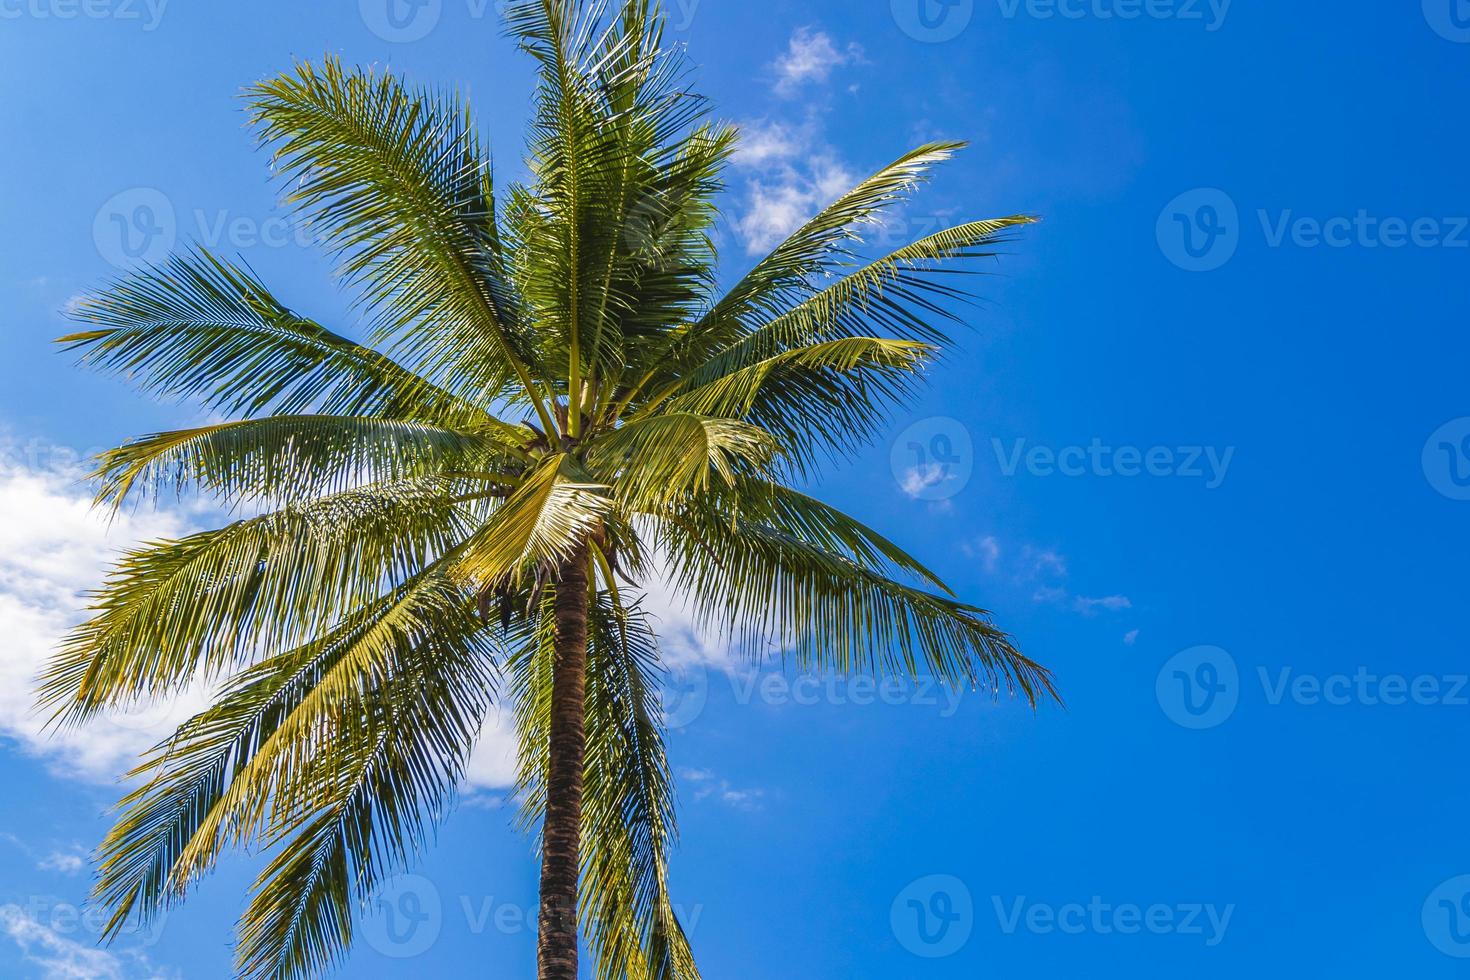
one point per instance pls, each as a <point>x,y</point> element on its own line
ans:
<point>555,403</point>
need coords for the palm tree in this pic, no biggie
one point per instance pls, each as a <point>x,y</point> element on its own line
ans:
<point>416,558</point>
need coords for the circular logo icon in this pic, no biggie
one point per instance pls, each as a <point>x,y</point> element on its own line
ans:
<point>1199,688</point>
<point>401,21</point>
<point>1447,459</point>
<point>933,459</point>
<point>1447,918</point>
<point>933,917</point>
<point>404,917</point>
<point>1449,18</point>
<point>135,228</point>
<point>933,21</point>
<point>684,695</point>
<point>1199,230</point>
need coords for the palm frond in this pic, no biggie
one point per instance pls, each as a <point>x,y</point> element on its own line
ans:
<point>396,181</point>
<point>277,752</point>
<point>666,457</point>
<point>828,611</point>
<point>539,525</point>
<point>285,459</point>
<point>178,611</point>
<point>200,327</point>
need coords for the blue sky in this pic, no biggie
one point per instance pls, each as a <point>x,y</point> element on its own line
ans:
<point>1206,453</point>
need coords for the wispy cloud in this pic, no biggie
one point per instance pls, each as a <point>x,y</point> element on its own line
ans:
<point>59,957</point>
<point>64,862</point>
<point>708,786</point>
<point>1042,570</point>
<point>793,172</point>
<point>811,57</point>
<point>987,550</point>
<point>786,189</point>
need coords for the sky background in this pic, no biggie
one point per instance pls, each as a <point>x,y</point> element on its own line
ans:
<point>1205,453</point>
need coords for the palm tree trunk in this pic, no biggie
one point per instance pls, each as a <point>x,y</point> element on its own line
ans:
<point>561,835</point>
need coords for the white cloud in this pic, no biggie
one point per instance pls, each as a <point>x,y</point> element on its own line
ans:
<point>787,195</point>
<point>1044,562</point>
<point>67,863</point>
<point>1043,570</point>
<point>493,763</point>
<point>1130,638</point>
<point>1113,603</point>
<point>708,786</point>
<point>764,143</point>
<point>987,549</point>
<point>54,546</point>
<point>811,56</point>
<point>61,958</point>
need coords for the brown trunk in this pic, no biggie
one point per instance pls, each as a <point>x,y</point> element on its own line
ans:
<point>561,836</point>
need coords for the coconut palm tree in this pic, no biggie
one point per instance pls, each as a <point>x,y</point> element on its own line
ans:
<point>554,406</point>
